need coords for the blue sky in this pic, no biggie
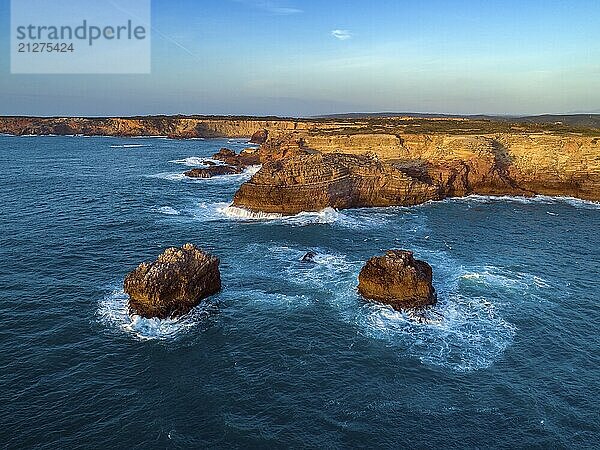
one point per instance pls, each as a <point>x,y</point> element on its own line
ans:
<point>308,57</point>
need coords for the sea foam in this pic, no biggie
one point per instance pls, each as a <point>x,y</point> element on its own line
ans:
<point>113,312</point>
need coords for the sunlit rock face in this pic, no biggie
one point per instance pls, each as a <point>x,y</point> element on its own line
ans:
<point>171,286</point>
<point>399,280</point>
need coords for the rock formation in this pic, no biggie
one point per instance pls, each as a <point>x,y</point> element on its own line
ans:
<point>314,182</point>
<point>172,285</point>
<point>259,137</point>
<point>398,280</point>
<point>309,257</point>
<point>213,170</point>
<point>233,163</point>
<point>309,173</point>
<point>437,157</point>
<point>248,157</point>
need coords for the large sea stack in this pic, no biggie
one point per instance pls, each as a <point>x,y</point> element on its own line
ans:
<point>399,280</point>
<point>312,182</point>
<point>172,285</point>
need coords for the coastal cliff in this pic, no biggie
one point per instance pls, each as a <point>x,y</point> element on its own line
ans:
<point>312,172</point>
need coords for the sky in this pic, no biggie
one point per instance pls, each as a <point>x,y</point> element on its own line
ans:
<point>313,57</point>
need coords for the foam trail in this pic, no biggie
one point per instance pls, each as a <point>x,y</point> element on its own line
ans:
<point>167,210</point>
<point>538,199</point>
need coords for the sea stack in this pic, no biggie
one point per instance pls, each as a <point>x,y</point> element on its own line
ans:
<point>172,285</point>
<point>399,280</point>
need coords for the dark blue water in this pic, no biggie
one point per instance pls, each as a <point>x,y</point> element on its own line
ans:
<point>287,355</point>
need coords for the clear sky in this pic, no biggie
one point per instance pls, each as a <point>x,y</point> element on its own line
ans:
<point>309,57</point>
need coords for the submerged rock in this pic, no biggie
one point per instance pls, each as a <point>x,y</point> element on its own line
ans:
<point>309,257</point>
<point>398,280</point>
<point>172,285</point>
<point>214,170</point>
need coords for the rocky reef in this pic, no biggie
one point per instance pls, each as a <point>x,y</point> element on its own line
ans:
<point>233,164</point>
<point>399,280</point>
<point>172,285</point>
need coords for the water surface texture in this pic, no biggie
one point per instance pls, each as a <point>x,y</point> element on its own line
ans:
<point>287,355</point>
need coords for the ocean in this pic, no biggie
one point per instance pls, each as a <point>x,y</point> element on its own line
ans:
<point>288,354</point>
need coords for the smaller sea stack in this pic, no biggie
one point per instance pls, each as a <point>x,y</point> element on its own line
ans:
<point>399,280</point>
<point>172,285</point>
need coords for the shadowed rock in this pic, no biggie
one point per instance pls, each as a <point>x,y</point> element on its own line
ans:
<point>214,170</point>
<point>259,137</point>
<point>172,285</point>
<point>398,280</point>
<point>309,257</point>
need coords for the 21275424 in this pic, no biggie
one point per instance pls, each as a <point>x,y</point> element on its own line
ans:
<point>45,47</point>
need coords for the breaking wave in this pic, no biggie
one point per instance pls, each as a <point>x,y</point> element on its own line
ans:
<point>218,179</point>
<point>325,216</point>
<point>113,312</point>
<point>466,331</point>
<point>196,161</point>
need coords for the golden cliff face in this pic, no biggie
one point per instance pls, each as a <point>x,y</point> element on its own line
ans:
<point>413,168</point>
<point>541,163</point>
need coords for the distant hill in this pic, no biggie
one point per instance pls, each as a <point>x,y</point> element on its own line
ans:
<point>576,120</point>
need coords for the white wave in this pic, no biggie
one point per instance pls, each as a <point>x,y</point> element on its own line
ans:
<point>128,146</point>
<point>218,179</point>
<point>464,334</point>
<point>499,278</point>
<point>113,312</point>
<point>325,216</point>
<point>538,199</point>
<point>170,176</point>
<point>196,161</point>
<point>233,212</point>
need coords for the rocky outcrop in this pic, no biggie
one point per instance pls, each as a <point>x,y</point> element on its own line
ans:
<point>234,163</point>
<point>247,157</point>
<point>399,280</point>
<point>212,171</point>
<point>309,257</point>
<point>173,284</point>
<point>260,137</point>
<point>312,182</point>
